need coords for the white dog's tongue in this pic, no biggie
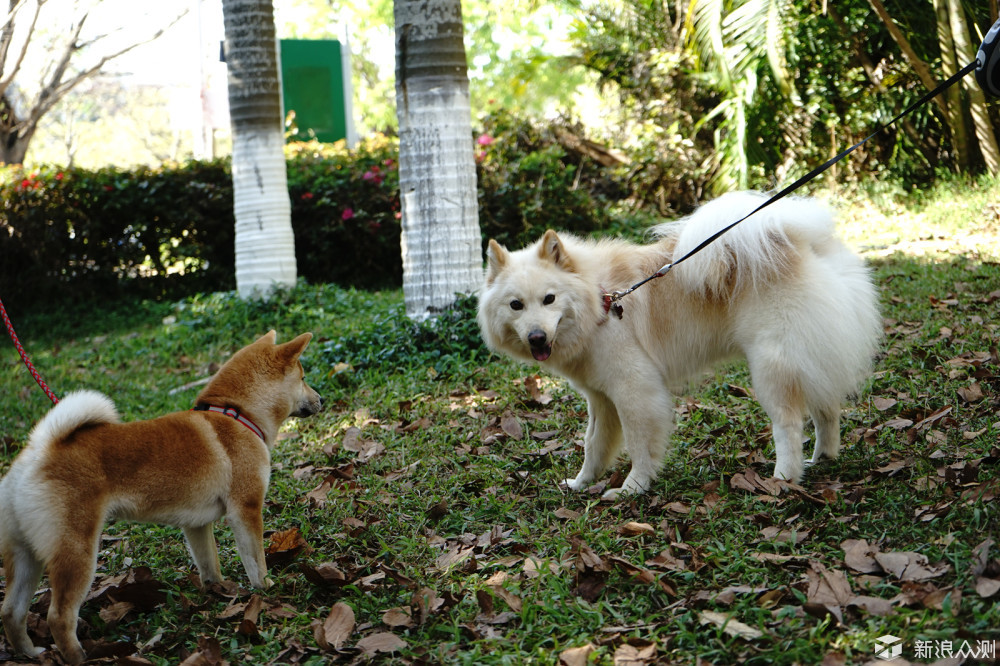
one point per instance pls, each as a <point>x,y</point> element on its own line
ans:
<point>541,353</point>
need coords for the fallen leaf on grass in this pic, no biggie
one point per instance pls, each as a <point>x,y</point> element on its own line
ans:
<point>251,613</point>
<point>566,514</point>
<point>730,626</point>
<point>882,404</point>
<point>336,629</point>
<point>829,591</point>
<point>512,600</point>
<point>326,573</point>
<point>284,547</point>
<point>987,587</point>
<point>115,612</point>
<point>209,653</point>
<point>510,426</point>
<point>398,617</point>
<point>577,656</point>
<point>910,566</point>
<point>860,557</point>
<point>381,642</point>
<point>971,393</point>
<point>627,654</point>
<point>635,529</point>
<point>872,605</point>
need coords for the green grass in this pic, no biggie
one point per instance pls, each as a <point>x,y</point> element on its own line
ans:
<point>445,513</point>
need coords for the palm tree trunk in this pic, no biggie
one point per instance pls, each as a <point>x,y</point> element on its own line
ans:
<point>977,101</point>
<point>265,245</point>
<point>954,112</point>
<point>918,65</point>
<point>440,241</point>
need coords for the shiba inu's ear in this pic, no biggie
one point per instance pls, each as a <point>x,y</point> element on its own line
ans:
<point>552,249</point>
<point>268,338</point>
<point>497,256</point>
<point>294,348</point>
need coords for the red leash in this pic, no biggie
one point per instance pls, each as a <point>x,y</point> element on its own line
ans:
<point>24,355</point>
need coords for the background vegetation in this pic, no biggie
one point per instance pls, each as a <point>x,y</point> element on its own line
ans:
<point>419,517</point>
<point>73,233</point>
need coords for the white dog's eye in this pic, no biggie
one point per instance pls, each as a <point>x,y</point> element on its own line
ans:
<point>549,299</point>
<point>516,305</point>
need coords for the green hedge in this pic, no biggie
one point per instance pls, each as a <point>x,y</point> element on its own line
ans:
<point>69,233</point>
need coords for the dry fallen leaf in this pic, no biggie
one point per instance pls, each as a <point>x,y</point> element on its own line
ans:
<point>381,642</point>
<point>333,632</point>
<point>398,617</point>
<point>732,627</point>
<point>285,546</point>
<point>910,566</point>
<point>635,529</point>
<point>510,425</point>
<point>859,556</point>
<point>987,587</point>
<point>577,656</point>
<point>631,655</point>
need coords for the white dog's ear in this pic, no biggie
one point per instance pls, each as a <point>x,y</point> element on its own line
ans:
<point>552,249</point>
<point>497,256</point>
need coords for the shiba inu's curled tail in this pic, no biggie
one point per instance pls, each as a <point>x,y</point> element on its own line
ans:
<point>755,252</point>
<point>76,410</point>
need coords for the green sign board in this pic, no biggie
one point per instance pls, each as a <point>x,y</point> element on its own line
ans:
<point>312,84</point>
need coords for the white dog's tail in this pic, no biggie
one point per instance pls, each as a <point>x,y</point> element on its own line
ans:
<point>754,252</point>
<point>76,410</point>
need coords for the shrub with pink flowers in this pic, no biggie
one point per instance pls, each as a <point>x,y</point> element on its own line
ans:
<point>168,231</point>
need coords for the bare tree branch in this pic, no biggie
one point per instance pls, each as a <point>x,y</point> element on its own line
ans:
<point>55,81</point>
<point>5,83</point>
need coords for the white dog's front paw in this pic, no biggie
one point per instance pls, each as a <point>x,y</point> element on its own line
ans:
<point>787,472</point>
<point>577,483</point>
<point>612,495</point>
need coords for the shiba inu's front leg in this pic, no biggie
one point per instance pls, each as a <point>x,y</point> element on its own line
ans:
<point>23,572</point>
<point>602,441</point>
<point>201,543</point>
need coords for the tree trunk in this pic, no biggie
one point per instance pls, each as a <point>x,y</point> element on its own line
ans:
<point>918,65</point>
<point>440,243</point>
<point>15,135</point>
<point>265,246</point>
<point>977,101</point>
<point>954,111</point>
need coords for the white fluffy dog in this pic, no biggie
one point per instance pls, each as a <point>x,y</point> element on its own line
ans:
<point>778,289</point>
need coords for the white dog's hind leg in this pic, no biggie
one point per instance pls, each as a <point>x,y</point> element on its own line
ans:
<point>23,572</point>
<point>602,441</point>
<point>778,392</point>
<point>827,422</point>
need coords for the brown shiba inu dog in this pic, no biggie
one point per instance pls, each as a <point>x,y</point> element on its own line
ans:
<point>83,466</point>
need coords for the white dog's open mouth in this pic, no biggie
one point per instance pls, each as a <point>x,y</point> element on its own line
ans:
<point>541,352</point>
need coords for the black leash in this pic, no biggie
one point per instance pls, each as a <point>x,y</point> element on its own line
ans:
<point>987,66</point>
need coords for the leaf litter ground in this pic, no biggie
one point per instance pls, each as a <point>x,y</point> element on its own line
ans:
<point>420,518</point>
